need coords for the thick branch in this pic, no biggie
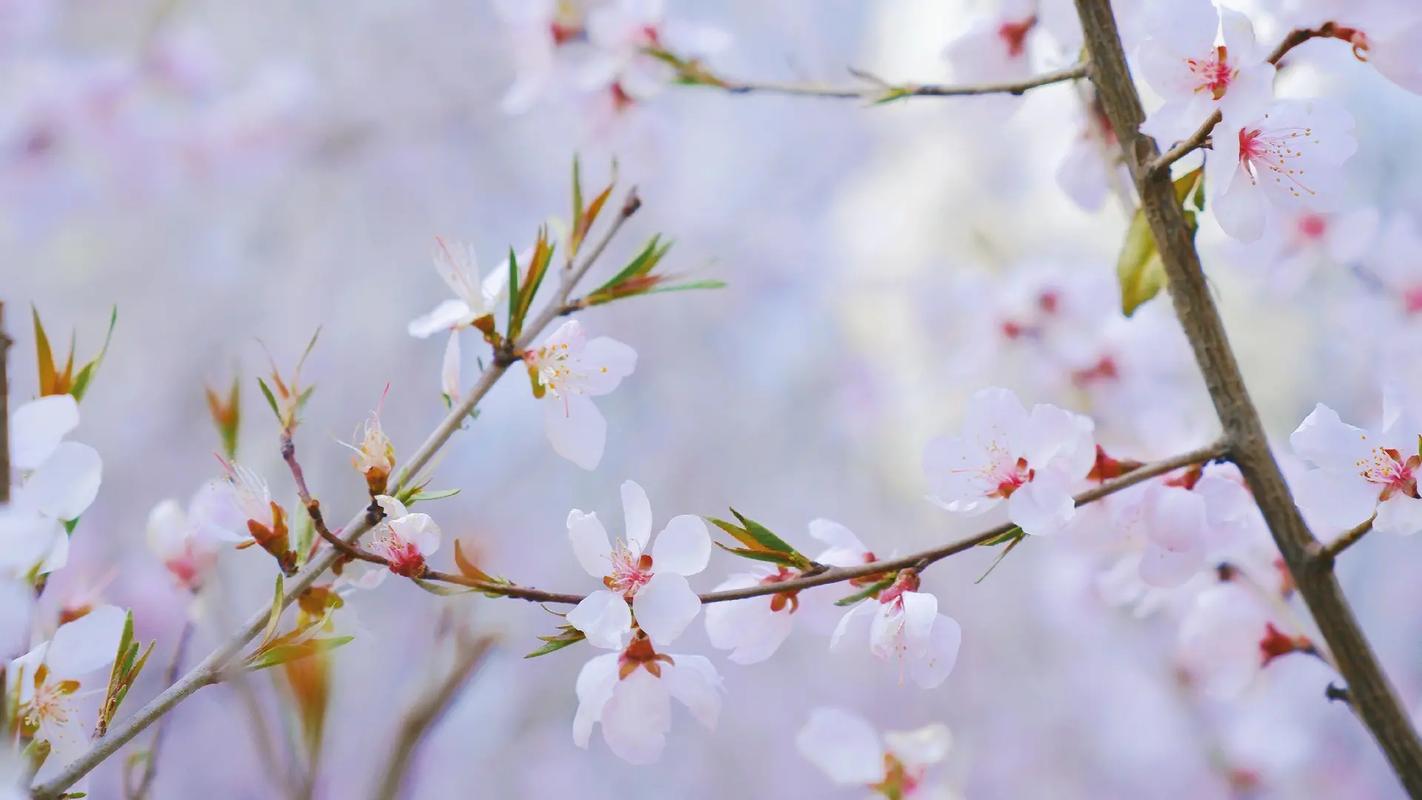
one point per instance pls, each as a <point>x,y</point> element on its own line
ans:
<point>918,560</point>
<point>427,711</point>
<point>212,667</point>
<point>1373,696</point>
<point>880,90</point>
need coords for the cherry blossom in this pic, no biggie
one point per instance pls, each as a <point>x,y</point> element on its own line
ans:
<point>188,541</point>
<point>59,480</point>
<point>995,46</point>
<point>622,31</point>
<point>629,693</point>
<point>1195,76</point>
<point>754,628</point>
<point>1288,156</point>
<point>903,625</point>
<point>473,299</point>
<point>652,582</point>
<point>1357,473</point>
<point>1393,261</point>
<point>844,549</point>
<point>51,679</point>
<point>245,501</point>
<point>570,369</point>
<point>1030,461</point>
<point>1092,162</point>
<point>1383,33</point>
<point>375,453</point>
<point>1230,635</point>
<point>848,750</point>
<point>539,30</point>
<point>403,538</point>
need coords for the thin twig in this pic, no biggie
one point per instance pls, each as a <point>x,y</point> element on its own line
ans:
<point>1374,698</point>
<point>214,664</point>
<point>313,507</point>
<point>1325,555</point>
<point>1196,139</point>
<point>170,676</point>
<point>918,560</point>
<point>426,712</point>
<point>885,91</point>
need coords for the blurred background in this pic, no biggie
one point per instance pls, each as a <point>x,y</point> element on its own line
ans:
<point>229,174</point>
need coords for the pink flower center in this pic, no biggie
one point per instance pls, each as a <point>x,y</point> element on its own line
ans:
<point>1312,226</point>
<point>630,571</point>
<point>1386,468</point>
<point>1270,155</point>
<point>1010,477</point>
<point>1014,35</point>
<point>1213,74</point>
<point>1103,370</point>
<point>1412,300</point>
<point>405,557</point>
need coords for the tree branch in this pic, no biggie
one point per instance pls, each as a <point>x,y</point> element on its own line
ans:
<point>5,343</point>
<point>882,91</point>
<point>150,764</point>
<point>313,507</point>
<point>213,665</point>
<point>1373,696</point>
<point>427,711</point>
<point>823,577</point>
<point>1326,554</point>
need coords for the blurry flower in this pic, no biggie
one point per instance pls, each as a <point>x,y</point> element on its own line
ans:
<point>1196,77</point>
<point>653,583</point>
<point>630,693</point>
<point>754,628</point>
<point>1358,473</point>
<point>1386,34</point>
<point>59,480</point>
<point>1031,461</point>
<point>1229,635</point>
<point>1393,260</point>
<point>183,540</point>
<point>903,625</point>
<point>570,369</point>
<point>848,750</point>
<point>1092,161</point>
<point>994,48</point>
<point>623,31</point>
<point>845,549</point>
<point>1288,156</point>
<point>539,30</point>
<point>49,680</point>
<point>457,266</point>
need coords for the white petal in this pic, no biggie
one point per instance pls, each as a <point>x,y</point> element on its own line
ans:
<point>922,747</point>
<point>607,362</point>
<point>843,746</point>
<point>1399,514</point>
<point>16,601</point>
<point>1165,568</point>
<point>87,643</point>
<point>1060,440</point>
<point>66,483</point>
<point>1333,500</point>
<point>693,680</point>
<point>1042,506</point>
<point>637,515</point>
<point>1328,441</point>
<point>664,606</point>
<point>168,529</point>
<point>393,508</point>
<point>26,539</point>
<point>835,535</point>
<point>37,427</point>
<point>636,720</point>
<point>604,618</point>
<point>449,370</point>
<point>418,529</point>
<point>936,661</point>
<point>854,625</point>
<point>1238,206</point>
<point>596,681</point>
<point>446,316</point>
<point>575,428</point>
<point>683,546</point>
<point>590,544</point>
<point>214,513</point>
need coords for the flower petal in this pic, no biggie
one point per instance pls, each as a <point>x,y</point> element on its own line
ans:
<point>843,746</point>
<point>446,316</point>
<point>607,361</point>
<point>664,606</point>
<point>694,681</point>
<point>939,655</point>
<point>66,483</point>
<point>590,544</point>
<point>637,515</point>
<point>683,546</point>
<point>37,427</point>
<point>575,428</point>
<point>636,720</point>
<point>87,643</point>
<point>922,747</point>
<point>596,682</point>
<point>604,618</point>
<point>1399,514</point>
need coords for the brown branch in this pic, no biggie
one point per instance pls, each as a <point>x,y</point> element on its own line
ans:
<point>882,91</point>
<point>215,663</point>
<point>426,712</point>
<point>313,507</point>
<point>1325,554</point>
<point>1373,696</point>
<point>823,577</point>
<point>1195,140</point>
<point>5,343</point>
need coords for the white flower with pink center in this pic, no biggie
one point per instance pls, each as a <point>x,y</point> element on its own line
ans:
<point>540,31</point>
<point>1194,75</point>
<point>629,694</point>
<point>754,628</point>
<point>1231,634</point>
<point>1289,157</point>
<point>851,753</point>
<point>1394,261</point>
<point>188,541</point>
<point>1384,33</point>
<point>903,626</point>
<point>1030,461</point>
<point>1357,473</point>
<point>50,680</point>
<point>995,46</point>
<point>570,370</point>
<point>649,583</point>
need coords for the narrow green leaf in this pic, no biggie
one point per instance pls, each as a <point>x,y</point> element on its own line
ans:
<point>1139,268</point>
<point>81,381</point>
<point>271,398</point>
<point>434,494</point>
<point>872,590</point>
<point>568,636</point>
<point>782,559</point>
<point>763,535</point>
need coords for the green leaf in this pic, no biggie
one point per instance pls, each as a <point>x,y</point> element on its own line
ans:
<point>1017,539</point>
<point>423,496</point>
<point>577,197</point>
<point>513,295</point>
<point>81,381</point>
<point>284,653</point>
<point>684,287</point>
<point>761,555</point>
<point>872,590</point>
<point>1139,268</point>
<point>270,631</point>
<point>271,398</point>
<point>567,635</point>
<point>1015,532</point>
<point>763,535</point>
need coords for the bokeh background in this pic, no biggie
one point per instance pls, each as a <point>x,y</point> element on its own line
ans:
<point>235,173</point>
